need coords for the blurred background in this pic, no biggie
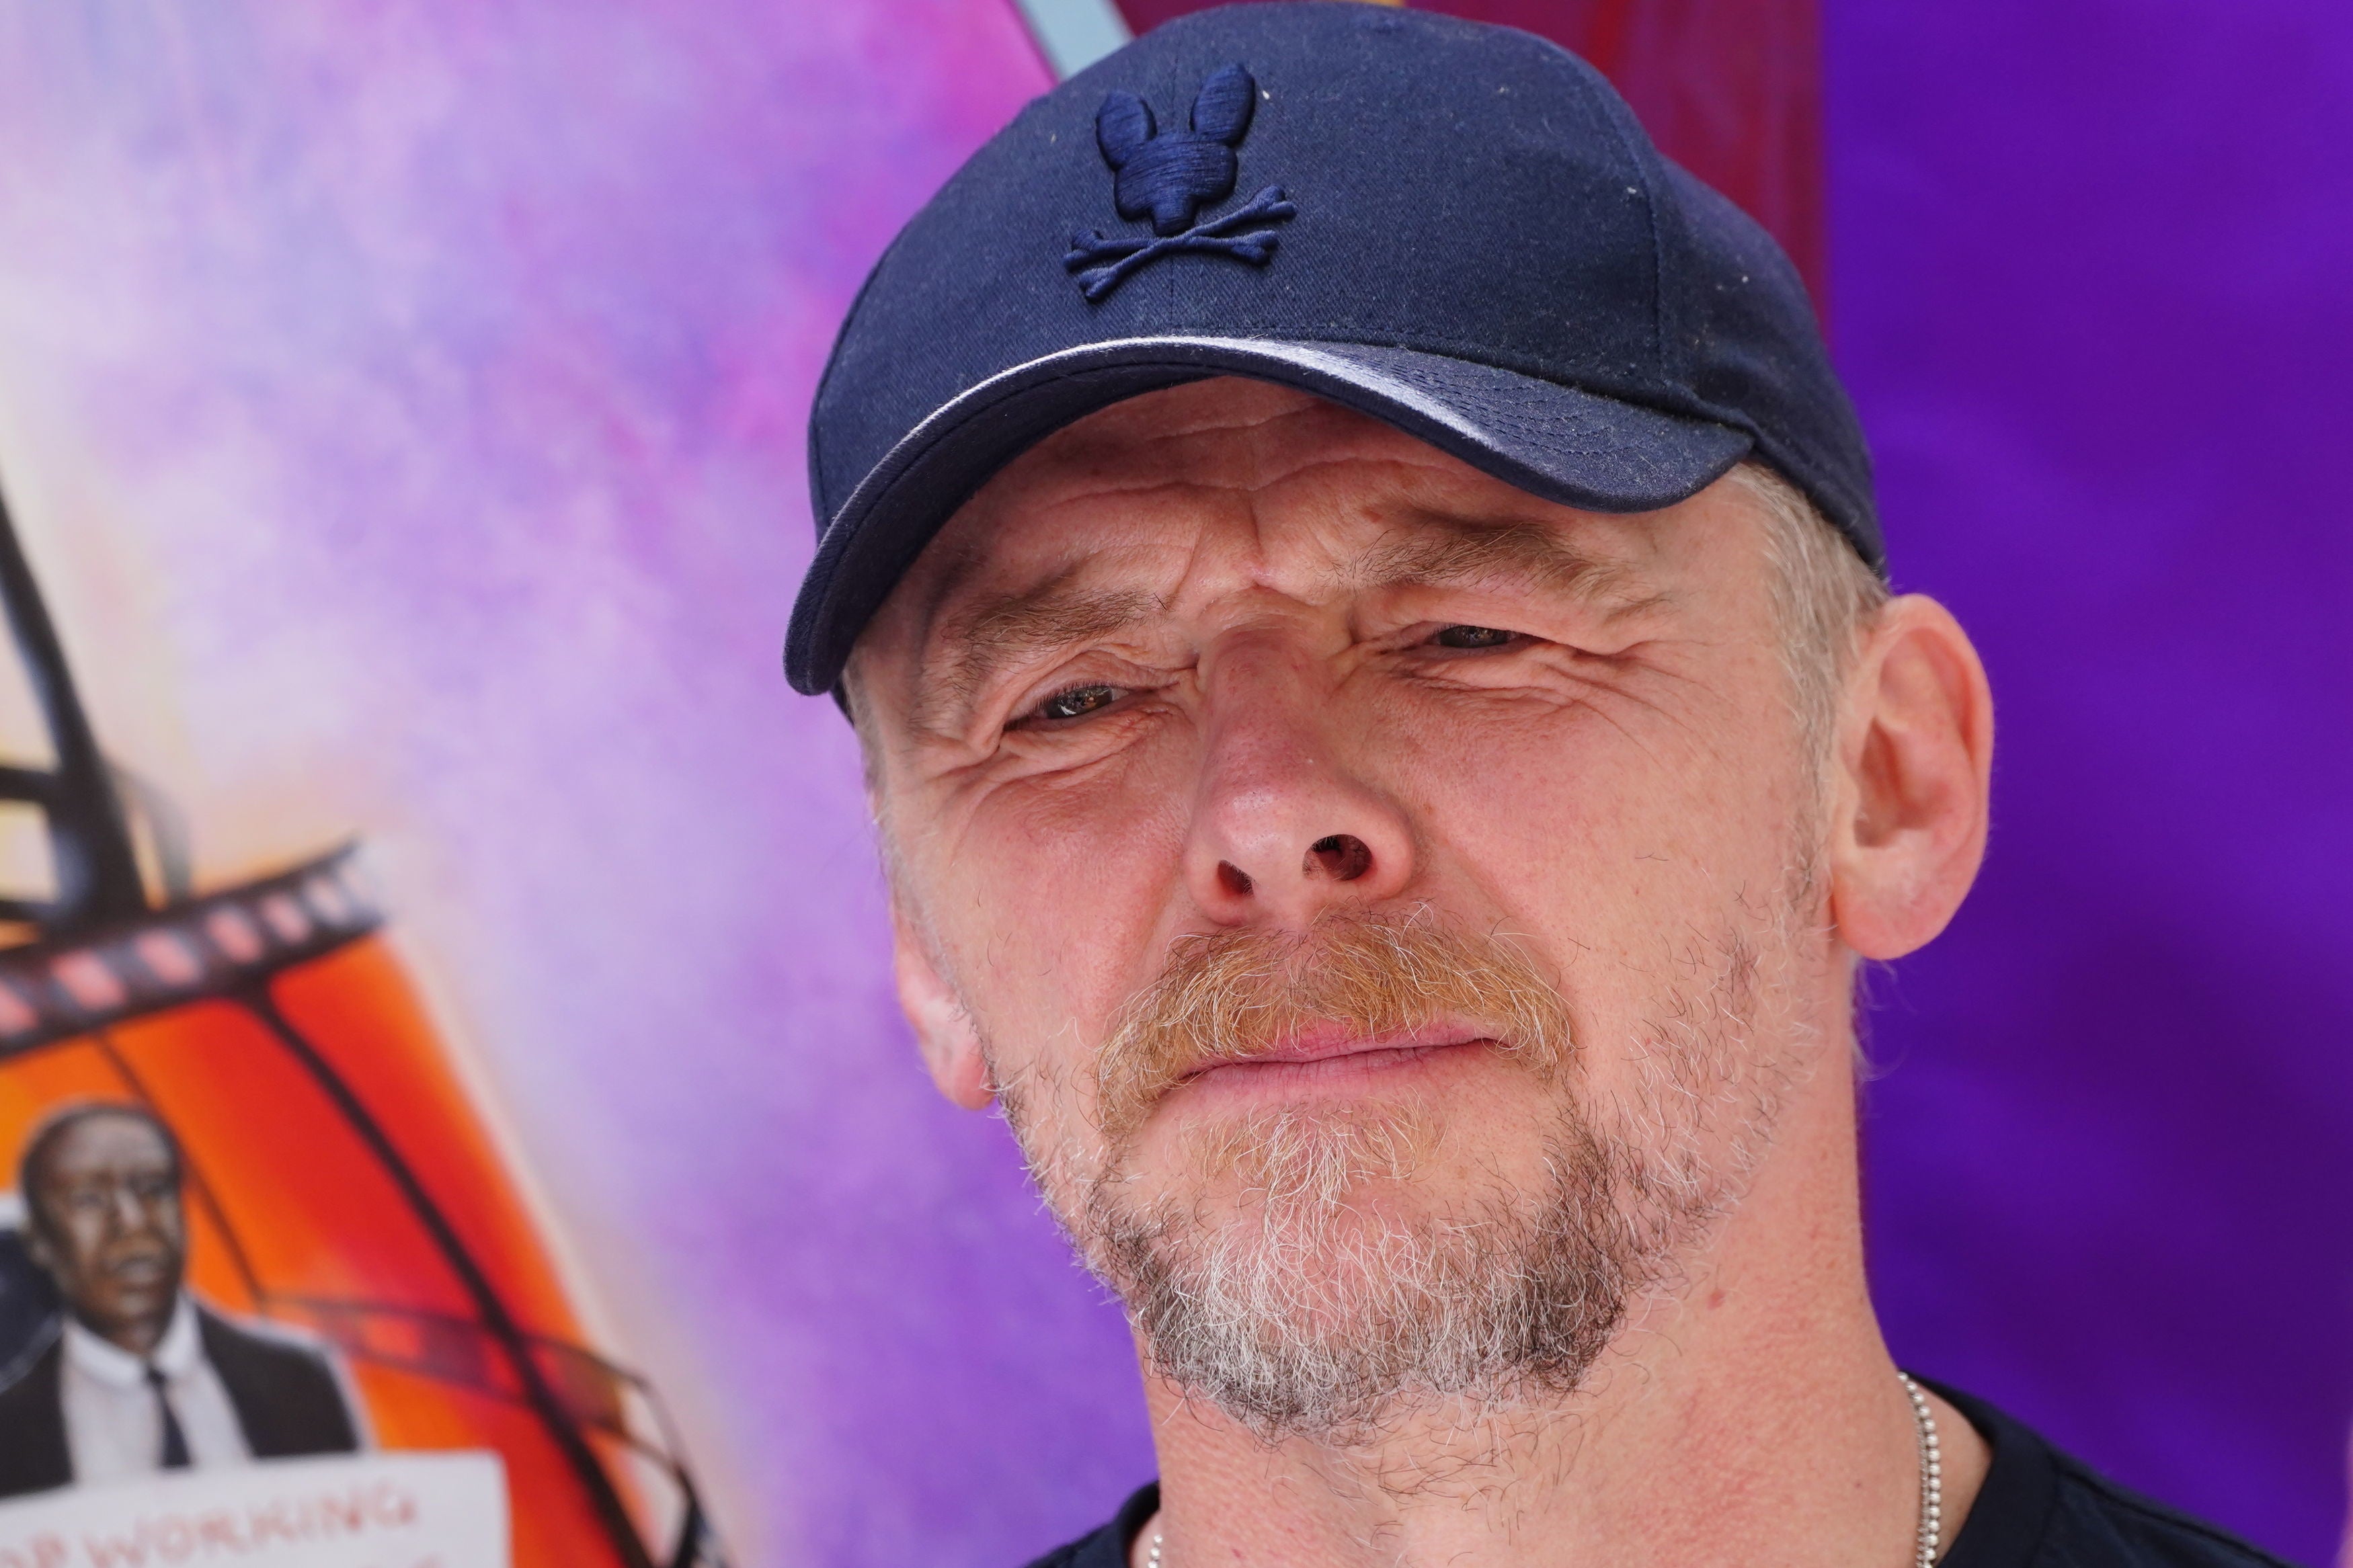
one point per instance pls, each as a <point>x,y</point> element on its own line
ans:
<point>401,404</point>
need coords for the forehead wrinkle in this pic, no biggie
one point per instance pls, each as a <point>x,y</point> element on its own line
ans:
<point>1188,461</point>
<point>1217,453</point>
<point>967,643</point>
<point>1242,423</point>
<point>1443,550</point>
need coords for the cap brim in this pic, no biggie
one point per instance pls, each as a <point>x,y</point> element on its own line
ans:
<point>1557,442</point>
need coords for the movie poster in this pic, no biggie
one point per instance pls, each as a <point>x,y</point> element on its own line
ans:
<point>268,1289</point>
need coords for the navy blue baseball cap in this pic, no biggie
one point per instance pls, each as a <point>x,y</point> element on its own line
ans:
<point>1457,229</point>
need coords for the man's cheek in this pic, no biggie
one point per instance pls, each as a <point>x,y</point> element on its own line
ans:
<point>1065,914</point>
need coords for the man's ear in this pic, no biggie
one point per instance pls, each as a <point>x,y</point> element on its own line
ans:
<point>951,1046</point>
<point>1914,776</point>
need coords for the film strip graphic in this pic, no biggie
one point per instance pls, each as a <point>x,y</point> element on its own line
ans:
<point>204,947</point>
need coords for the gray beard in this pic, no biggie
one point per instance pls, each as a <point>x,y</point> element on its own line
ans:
<point>1304,1315</point>
<point>1300,1309</point>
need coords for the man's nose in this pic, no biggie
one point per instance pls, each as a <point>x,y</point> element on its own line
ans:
<point>126,1208</point>
<point>1284,829</point>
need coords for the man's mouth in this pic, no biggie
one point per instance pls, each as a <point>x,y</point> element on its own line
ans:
<point>1335,1054</point>
<point>140,1271</point>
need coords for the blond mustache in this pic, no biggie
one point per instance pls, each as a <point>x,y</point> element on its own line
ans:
<point>1233,995</point>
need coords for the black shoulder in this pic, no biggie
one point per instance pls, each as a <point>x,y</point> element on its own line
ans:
<point>286,1394</point>
<point>246,1349</point>
<point>33,1453</point>
<point>2097,1523</point>
<point>1107,1547</point>
<point>2042,1507</point>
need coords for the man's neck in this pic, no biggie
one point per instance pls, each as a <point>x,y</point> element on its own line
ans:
<point>127,1348</point>
<point>1752,1415</point>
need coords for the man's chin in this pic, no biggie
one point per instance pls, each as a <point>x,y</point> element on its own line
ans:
<point>1318,1311</point>
<point>138,1288</point>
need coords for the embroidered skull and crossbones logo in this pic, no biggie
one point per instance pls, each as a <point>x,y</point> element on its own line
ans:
<point>1169,176</point>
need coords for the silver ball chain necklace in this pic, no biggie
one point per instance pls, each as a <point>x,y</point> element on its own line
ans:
<point>1932,1477</point>
<point>1931,1535</point>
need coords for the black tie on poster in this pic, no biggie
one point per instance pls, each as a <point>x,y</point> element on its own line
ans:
<point>176,1440</point>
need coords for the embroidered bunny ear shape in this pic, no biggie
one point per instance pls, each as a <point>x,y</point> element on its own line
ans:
<point>1222,111</point>
<point>1169,176</point>
<point>1122,125</point>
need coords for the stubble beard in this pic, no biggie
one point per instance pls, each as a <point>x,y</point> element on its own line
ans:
<point>1296,1274</point>
<point>1298,1314</point>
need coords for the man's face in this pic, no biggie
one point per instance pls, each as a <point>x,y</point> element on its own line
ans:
<point>1387,901</point>
<point>110,1227</point>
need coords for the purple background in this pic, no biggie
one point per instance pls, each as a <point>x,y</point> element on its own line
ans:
<point>2090,277</point>
<point>402,404</point>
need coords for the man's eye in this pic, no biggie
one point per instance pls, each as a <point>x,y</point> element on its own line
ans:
<point>1078,702</point>
<point>1473,637</point>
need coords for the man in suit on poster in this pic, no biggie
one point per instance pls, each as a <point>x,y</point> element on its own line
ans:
<point>138,1378</point>
<point>1361,595</point>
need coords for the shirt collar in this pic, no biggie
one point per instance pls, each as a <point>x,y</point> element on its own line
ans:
<point>176,1354</point>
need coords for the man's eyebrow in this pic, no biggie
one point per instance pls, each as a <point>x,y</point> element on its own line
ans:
<point>1440,555</point>
<point>977,641</point>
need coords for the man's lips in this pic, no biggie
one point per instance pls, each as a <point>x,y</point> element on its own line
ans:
<point>1333,1050</point>
<point>139,1269</point>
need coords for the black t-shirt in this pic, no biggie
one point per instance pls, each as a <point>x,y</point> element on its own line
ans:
<point>2038,1508</point>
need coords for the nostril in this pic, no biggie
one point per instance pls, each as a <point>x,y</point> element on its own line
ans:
<point>1343,857</point>
<point>1233,879</point>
